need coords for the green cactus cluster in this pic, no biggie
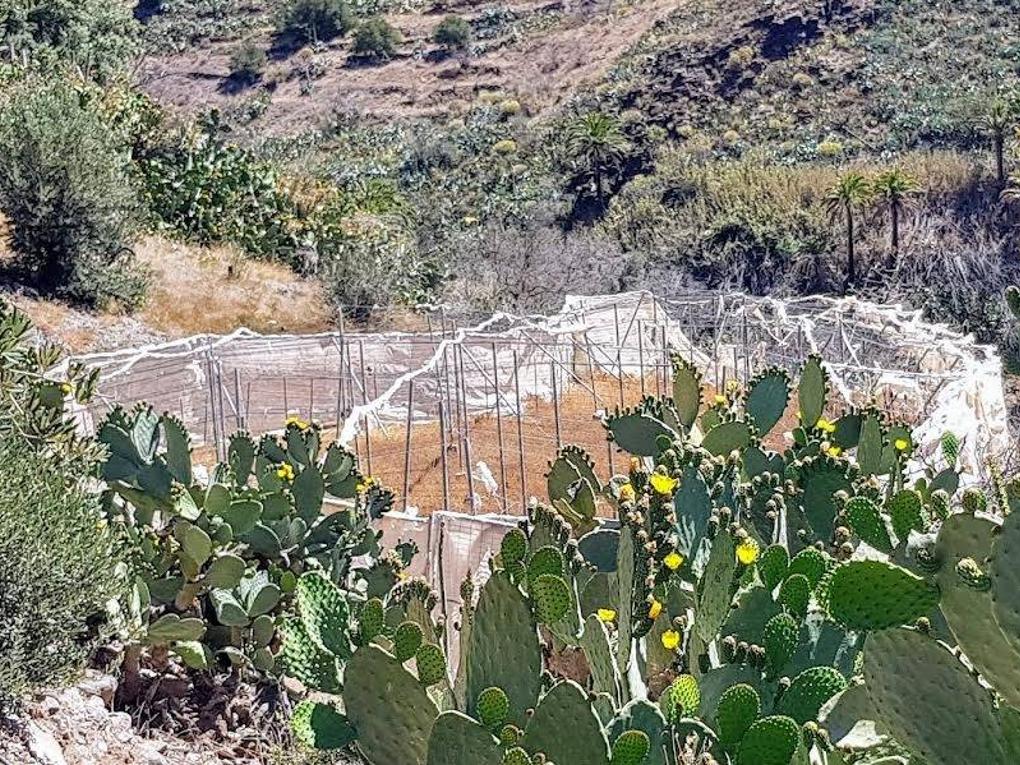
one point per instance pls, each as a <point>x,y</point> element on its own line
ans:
<point>217,562</point>
<point>739,595</point>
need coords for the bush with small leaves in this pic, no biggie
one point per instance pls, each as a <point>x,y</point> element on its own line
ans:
<point>247,63</point>
<point>376,39</point>
<point>453,33</point>
<point>315,20</point>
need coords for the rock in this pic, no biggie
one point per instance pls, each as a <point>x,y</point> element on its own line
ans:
<point>43,746</point>
<point>149,756</point>
<point>103,686</point>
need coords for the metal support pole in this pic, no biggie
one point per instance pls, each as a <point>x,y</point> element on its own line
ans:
<point>466,436</point>
<point>407,441</point>
<point>499,429</point>
<point>364,401</point>
<point>641,355</point>
<point>442,455</point>
<point>520,431</point>
<point>556,407</point>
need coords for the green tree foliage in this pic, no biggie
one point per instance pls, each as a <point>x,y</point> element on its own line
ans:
<point>247,63</point>
<point>315,20</point>
<point>453,33</point>
<point>850,193</point>
<point>66,190</point>
<point>596,145</point>
<point>57,562</point>
<point>894,190</point>
<point>376,38</point>
<point>94,37</point>
<point>997,122</point>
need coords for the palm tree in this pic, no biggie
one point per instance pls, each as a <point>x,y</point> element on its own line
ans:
<point>595,142</point>
<point>894,189</point>
<point>850,193</point>
<point>997,121</point>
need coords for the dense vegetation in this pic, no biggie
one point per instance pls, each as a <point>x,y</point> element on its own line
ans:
<point>843,157</point>
<point>737,605</point>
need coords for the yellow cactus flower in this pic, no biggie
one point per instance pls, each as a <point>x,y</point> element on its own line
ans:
<point>834,451</point>
<point>747,551</point>
<point>654,609</point>
<point>365,484</point>
<point>673,561</point>
<point>295,420</point>
<point>65,388</point>
<point>825,426</point>
<point>719,399</point>
<point>670,640</point>
<point>285,472</point>
<point>606,615</point>
<point>901,444</point>
<point>663,484</point>
<point>732,386</point>
<point>627,493</point>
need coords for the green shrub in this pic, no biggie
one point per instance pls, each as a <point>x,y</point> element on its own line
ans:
<point>94,37</point>
<point>66,191</point>
<point>56,571</point>
<point>453,32</point>
<point>247,63</point>
<point>315,20</point>
<point>205,190</point>
<point>376,39</point>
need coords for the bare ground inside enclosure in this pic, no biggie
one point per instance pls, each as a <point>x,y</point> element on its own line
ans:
<point>580,424</point>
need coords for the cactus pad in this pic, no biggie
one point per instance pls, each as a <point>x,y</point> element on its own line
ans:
<point>906,513</point>
<point>867,522</point>
<point>492,708</point>
<point>1005,573</point>
<point>456,739</point>
<point>375,684</point>
<point>321,726</point>
<point>681,699</point>
<point>780,641</point>
<point>929,701</point>
<point>714,598</point>
<point>809,692</point>
<point>307,661</point>
<point>767,397</point>
<point>686,390</point>
<point>727,437</point>
<point>811,563</point>
<point>503,649</point>
<point>969,612</point>
<point>566,729</point>
<point>642,715</point>
<point>324,612</point>
<point>769,741</point>
<point>795,594</point>
<point>372,619</point>
<point>431,664</point>
<point>874,595</point>
<point>871,444</point>
<point>739,707</point>
<point>516,756</point>
<point>407,639</point>
<point>773,564</point>
<point>551,597</point>
<point>631,748</point>
<point>513,548</point>
<point>547,560</point>
<point>637,433</point>
<point>811,391</point>
<point>599,653</point>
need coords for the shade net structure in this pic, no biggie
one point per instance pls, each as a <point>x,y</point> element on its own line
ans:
<point>461,420</point>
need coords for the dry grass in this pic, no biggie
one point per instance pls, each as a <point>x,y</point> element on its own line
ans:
<point>192,290</point>
<point>217,290</point>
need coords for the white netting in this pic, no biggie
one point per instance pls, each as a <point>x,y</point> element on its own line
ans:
<point>360,381</point>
